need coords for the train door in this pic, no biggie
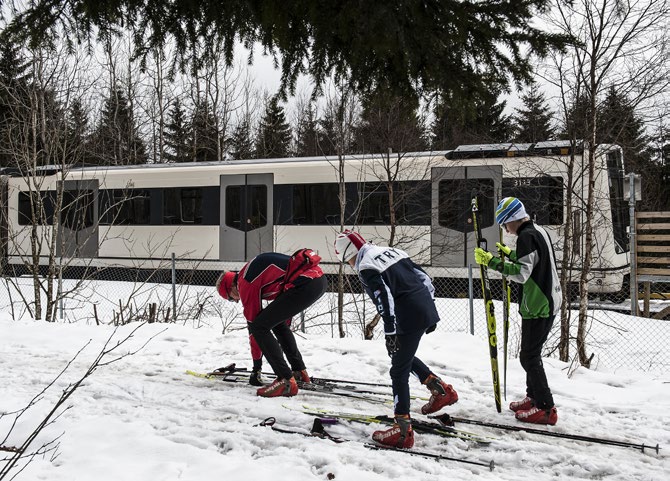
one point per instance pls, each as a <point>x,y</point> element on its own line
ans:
<point>246,216</point>
<point>78,227</point>
<point>452,233</point>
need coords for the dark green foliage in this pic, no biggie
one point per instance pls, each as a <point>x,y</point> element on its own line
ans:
<point>116,139</point>
<point>77,132</point>
<point>177,134</point>
<point>412,46</point>
<point>533,120</point>
<point>241,144</point>
<point>204,134</point>
<point>307,133</point>
<point>14,98</point>
<point>274,133</point>
<point>389,121</point>
<point>476,119</point>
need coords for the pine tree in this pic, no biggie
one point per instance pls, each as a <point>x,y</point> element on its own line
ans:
<point>533,120</point>
<point>307,133</point>
<point>472,119</point>
<point>14,101</point>
<point>274,133</point>
<point>177,134</point>
<point>116,140</point>
<point>204,134</point>
<point>77,132</point>
<point>241,144</point>
<point>389,121</point>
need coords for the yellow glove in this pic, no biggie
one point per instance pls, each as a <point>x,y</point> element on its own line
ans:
<point>503,248</point>
<point>482,257</point>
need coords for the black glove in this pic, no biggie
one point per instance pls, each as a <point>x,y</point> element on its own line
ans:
<point>255,379</point>
<point>392,344</point>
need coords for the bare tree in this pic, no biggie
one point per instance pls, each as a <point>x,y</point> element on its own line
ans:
<point>109,354</point>
<point>620,44</point>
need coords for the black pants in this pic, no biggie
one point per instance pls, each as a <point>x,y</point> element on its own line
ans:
<point>402,363</point>
<point>273,318</point>
<point>534,333</point>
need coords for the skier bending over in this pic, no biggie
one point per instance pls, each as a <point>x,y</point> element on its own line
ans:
<point>403,294</point>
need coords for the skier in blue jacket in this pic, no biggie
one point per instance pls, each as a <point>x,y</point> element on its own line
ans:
<point>403,294</point>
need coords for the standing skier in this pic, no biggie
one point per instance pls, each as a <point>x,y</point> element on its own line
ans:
<point>403,294</point>
<point>292,284</point>
<point>532,264</point>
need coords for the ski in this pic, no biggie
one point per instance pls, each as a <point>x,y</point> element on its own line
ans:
<point>326,383</point>
<point>319,431</point>
<point>309,387</point>
<point>488,303</point>
<point>449,421</point>
<point>426,427</point>
<point>317,380</point>
<point>506,305</point>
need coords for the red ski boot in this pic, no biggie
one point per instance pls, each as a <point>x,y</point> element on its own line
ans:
<point>400,435</point>
<point>524,405</point>
<point>301,376</point>
<point>443,394</point>
<point>536,415</point>
<point>280,387</point>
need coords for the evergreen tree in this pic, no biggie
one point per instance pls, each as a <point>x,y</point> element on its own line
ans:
<point>77,132</point>
<point>274,133</point>
<point>14,101</point>
<point>116,140</point>
<point>241,144</point>
<point>533,120</point>
<point>307,133</point>
<point>204,134</point>
<point>473,119</point>
<point>389,121</point>
<point>177,134</point>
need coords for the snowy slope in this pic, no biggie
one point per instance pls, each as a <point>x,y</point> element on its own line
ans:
<point>143,418</point>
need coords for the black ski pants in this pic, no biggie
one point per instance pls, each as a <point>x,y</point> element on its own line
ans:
<point>403,363</point>
<point>271,331</point>
<point>534,334</point>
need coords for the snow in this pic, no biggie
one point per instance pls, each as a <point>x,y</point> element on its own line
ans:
<point>143,418</point>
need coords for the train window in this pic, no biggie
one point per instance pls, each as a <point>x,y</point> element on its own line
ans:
<point>257,196</point>
<point>182,206</point>
<point>44,211</point>
<point>77,211</point>
<point>234,206</point>
<point>316,204</point>
<point>125,207</point>
<point>541,196</point>
<point>374,205</point>
<point>246,206</point>
<point>412,201</point>
<point>455,203</point>
<point>190,206</point>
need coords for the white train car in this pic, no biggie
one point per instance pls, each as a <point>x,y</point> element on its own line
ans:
<point>228,212</point>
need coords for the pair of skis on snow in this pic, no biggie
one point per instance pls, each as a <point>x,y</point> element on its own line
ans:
<point>439,424</point>
<point>490,312</point>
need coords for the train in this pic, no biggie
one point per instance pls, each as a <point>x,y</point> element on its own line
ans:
<point>215,215</point>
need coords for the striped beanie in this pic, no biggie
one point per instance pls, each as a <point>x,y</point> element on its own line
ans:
<point>509,210</point>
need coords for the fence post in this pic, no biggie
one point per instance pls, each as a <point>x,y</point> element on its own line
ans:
<point>174,289</point>
<point>633,254</point>
<point>60,287</point>
<point>471,295</point>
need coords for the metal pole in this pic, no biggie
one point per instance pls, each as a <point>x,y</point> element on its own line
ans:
<point>60,287</point>
<point>174,289</point>
<point>471,295</point>
<point>633,254</point>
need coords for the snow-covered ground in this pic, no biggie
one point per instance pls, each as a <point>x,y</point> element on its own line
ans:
<point>142,418</point>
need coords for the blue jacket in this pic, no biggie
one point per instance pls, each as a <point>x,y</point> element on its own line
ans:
<point>401,290</point>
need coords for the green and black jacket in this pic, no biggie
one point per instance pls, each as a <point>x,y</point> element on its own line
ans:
<point>533,264</point>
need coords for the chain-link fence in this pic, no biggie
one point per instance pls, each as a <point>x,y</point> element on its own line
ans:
<point>615,338</point>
